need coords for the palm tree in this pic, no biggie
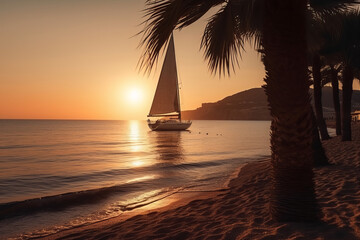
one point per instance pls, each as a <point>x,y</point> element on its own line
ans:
<point>317,78</point>
<point>336,97</point>
<point>348,78</point>
<point>331,73</point>
<point>319,155</point>
<point>345,47</point>
<point>279,27</point>
<point>315,42</point>
<point>283,40</point>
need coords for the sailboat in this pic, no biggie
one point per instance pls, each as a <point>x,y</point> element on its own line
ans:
<point>166,103</point>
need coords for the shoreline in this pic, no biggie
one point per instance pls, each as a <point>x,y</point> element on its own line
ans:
<point>175,200</point>
<point>241,211</point>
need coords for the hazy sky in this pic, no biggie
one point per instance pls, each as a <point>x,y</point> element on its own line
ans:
<point>77,59</point>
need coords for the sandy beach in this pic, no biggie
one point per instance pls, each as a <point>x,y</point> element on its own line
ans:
<point>241,210</point>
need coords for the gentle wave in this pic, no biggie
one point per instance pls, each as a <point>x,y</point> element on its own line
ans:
<point>57,202</point>
<point>115,211</point>
<point>116,172</point>
<point>72,144</point>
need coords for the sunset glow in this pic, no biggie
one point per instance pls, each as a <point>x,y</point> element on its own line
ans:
<point>78,60</point>
<point>171,119</point>
<point>134,95</point>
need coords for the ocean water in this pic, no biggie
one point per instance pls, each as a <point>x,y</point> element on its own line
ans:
<point>56,175</point>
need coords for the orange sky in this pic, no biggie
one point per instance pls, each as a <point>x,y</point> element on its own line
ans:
<point>76,59</point>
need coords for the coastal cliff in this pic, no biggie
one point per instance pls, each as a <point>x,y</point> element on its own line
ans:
<point>252,105</point>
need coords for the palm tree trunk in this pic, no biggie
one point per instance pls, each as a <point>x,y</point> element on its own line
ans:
<point>317,98</point>
<point>320,158</point>
<point>284,41</point>
<point>348,77</point>
<point>336,99</point>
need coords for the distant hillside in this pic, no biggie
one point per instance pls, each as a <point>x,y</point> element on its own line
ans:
<point>252,105</point>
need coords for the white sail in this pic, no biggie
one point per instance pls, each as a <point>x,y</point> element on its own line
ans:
<point>166,99</point>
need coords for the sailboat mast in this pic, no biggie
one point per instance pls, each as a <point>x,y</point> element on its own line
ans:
<point>177,79</point>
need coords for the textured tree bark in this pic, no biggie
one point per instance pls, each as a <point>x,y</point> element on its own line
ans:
<point>284,41</point>
<point>316,69</point>
<point>348,77</point>
<point>336,99</point>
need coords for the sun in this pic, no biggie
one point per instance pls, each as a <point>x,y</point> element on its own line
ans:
<point>134,95</point>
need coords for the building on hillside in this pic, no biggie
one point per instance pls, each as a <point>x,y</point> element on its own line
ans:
<point>355,116</point>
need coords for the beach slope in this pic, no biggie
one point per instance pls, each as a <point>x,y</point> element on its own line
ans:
<point>242,210</point>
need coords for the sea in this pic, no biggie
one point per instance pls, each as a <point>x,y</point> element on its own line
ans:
<point>61,174</point>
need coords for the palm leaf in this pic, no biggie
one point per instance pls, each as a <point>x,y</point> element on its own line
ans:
<point>331,6</point>
<point>345,45</point>
<point>227,31</point>
<point>162,17</point>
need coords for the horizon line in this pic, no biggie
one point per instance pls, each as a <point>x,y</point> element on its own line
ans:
<point>70,119</point>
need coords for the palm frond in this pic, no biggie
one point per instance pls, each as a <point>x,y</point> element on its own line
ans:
<point>250,15</point>
<point>350,38</point>
<point>330,6</point>
<point>195,11</point>
<point>162,17</point>
<point>326,74</point>
<point>220,41</point>
<point>226,33</point>
<point>316,31</point>
<point>345,45</point>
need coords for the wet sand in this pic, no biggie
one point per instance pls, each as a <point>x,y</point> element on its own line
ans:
<point>241,210</point>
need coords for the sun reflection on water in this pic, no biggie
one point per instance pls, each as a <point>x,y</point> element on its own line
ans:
<point>134,129</point>
<point>137,145</point>
<point>137,163</point>
<point>134,137</point>
<point>139,179</point>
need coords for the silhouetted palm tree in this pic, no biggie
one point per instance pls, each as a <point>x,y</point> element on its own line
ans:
<point>336,97</point>
<point>345,47</point>
<point>315,42</point>
<point>317,97</point>
<point>331,73</point>
<point>319,155</point>
<point>279,27</point>
<point>317,83</point>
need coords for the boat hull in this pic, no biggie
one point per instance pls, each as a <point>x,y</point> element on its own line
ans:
<point>169,126</point>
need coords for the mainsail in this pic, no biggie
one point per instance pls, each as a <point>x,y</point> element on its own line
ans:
<point>166,100</point>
